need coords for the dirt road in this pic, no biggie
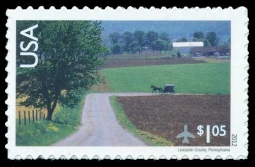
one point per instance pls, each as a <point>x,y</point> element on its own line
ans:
<point>99,126</point>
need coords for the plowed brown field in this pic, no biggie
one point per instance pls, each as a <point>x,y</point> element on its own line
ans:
<point>166,116</point>
<point>113,63</point>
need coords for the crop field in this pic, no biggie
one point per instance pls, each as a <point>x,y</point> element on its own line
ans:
<point>203,78</point>
<point>113,63</point>
<point>143,55</point>
<point>166,115</point>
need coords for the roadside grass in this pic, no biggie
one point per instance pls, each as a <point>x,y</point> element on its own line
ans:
<point>102,86</point>
<point>204,78</point>
<point>65,121</point>
<point>44,133</point>
<point>147,137</point>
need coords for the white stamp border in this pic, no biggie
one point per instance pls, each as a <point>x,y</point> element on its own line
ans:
<point>239,77</point>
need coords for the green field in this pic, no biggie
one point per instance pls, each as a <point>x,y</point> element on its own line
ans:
<point>206,78</point>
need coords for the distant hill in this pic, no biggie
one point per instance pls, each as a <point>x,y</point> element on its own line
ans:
<point>175,29</point>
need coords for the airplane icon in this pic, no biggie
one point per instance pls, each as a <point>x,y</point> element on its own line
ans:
<point>185,135</point>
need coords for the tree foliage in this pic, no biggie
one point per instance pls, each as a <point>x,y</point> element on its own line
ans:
<point>209,40</point>
<point>160,45</point>
<point>127,38</point>
<point>67,63</point>
<point>151,38</point>
<point>138,41</point>
<point>164,36</point>
<point>115,37</point>
<point>198,35</point>
<point>140,38</point>
<point>182,40</point>
<point>134,47</point>
<point>116,48</point>
<point>212,38</point>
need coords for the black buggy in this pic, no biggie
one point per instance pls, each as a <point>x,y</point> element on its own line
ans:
<point>168,88</point>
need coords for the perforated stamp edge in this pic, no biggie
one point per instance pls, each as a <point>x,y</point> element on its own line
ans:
<point>239,68</point>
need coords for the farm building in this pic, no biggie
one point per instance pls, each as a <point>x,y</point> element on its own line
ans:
<point>209,51</point>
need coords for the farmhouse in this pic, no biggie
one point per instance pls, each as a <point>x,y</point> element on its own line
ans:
<point>209,51</point>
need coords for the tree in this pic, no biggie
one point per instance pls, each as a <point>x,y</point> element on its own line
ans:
<point>107,52</point>
<point>197,36</point>
<point>166,46</point>
<point>140,38</point>
<point>67,63</point>
<point>208,40</point>
<point>154,46</point>
<point>160,45</point>
<point>224,44</point>
<point>134,47</point>
<point>206,43</point>
<point>212,38</point>
<point>166,40</point>
<point>165,36</point>
<point>127,38</point>
<point>182,40</point>
<point>115,37</point>
<point>117,48</point>
<point>151,37</point>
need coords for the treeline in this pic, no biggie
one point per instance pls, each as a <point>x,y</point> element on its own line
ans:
<point>139,41</point>
<point>210,39</point>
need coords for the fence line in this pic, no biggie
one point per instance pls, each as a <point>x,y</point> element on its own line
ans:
<point>25,118</point>
<point>29,117</point>
<point>35,114</point>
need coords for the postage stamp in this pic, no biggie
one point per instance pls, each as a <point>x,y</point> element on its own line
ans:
<point>127,83</point>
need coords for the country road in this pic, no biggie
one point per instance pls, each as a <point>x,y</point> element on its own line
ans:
<point>99,126</point>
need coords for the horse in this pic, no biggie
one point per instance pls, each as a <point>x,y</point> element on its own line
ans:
<point>154,89</point>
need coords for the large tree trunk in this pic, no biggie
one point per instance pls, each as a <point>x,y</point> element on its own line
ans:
<point>49,114</point>
<point>52,108</point>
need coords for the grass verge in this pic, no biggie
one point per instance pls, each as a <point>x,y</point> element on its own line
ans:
<point>147,137</point>
<point>44,133</point>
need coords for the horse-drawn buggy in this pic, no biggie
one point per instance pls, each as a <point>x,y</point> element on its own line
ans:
<point>168,88</point>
